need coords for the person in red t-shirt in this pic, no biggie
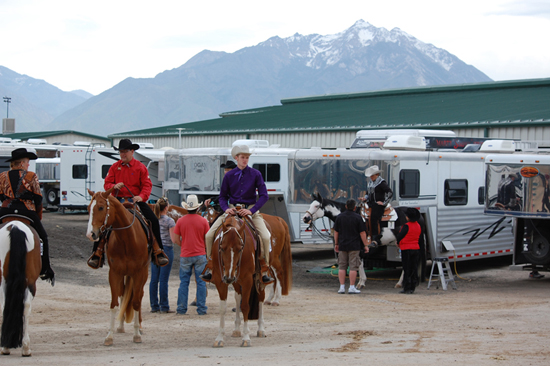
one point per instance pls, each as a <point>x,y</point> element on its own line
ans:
<point>189,234</point>
<point>408,240</point>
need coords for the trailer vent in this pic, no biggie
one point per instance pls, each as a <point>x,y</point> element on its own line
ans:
<point>403,142</point>
<point>498,146</point>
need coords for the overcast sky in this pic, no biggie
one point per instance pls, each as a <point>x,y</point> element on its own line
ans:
<point>93,45</point>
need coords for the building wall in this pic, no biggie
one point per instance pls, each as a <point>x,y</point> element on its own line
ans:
<point>334,139</point>
<point>70,138</point>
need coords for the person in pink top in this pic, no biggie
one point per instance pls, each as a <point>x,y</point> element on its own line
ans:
<point>189,234</point>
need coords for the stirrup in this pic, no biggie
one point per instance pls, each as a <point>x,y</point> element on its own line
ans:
<point>95,261</point>
<point>160,258</point>
<point>206,276</point>
<point>266,280</point>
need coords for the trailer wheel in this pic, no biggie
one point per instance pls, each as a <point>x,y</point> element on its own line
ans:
<point>540,249</point>
<point>52,196</point>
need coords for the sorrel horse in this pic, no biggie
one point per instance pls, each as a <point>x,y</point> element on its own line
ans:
<point>234,259</point>
<point>280,256</point>
<point>20,266</point>
<point>127,255</point>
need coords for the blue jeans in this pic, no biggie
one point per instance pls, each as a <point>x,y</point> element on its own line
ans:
<point>186,269</point>
<point>160,274</point>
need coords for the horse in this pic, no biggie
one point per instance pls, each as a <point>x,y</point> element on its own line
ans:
<point>20,266</point>
<point>128,258</point>
<point>280,256</point>
<point>234,258</point>
<point>321,207</point>
<point>174,212</point>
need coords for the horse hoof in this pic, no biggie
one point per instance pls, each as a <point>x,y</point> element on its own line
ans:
<point>108,342</point>
<point>236,333</point>
<point>245,344</point>
<point>261,334</point>
<point>120,330</point>
<point>274,304</point>
<point>267,303</point>
<point>137,339</point>
<point>5,351</point>
<point>218,344</point>
<point>26,355</point>
<point>398,285</point>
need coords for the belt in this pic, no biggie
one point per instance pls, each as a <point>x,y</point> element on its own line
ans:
<point>243,205</point>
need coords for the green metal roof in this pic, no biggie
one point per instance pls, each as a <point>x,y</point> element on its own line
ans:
<point>42,134</point>
<point>481,105</point>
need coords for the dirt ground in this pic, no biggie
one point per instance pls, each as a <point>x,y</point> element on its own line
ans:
<point>496,317</point>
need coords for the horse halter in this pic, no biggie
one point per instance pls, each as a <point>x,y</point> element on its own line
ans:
<point>103,229</point>
<point>312,214</point>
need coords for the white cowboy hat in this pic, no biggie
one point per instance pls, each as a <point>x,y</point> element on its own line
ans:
<point>242,149</point>
<point>192,203</point>
<point>370,171</point>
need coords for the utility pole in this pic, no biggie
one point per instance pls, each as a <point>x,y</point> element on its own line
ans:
<point>7,100</point>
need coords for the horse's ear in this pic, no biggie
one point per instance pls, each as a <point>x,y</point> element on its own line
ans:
<point>107,192</point>
<point>90,192</point>
<point>318,197</point>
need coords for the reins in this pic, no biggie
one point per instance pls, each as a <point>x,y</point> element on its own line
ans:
<point>104,229</point>
<point>240,253</point>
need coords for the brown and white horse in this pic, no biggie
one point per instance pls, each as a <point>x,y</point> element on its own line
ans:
<point>20,266</point>
<point>234,263</point>
<point>127,255</point>
<point>280,256</point>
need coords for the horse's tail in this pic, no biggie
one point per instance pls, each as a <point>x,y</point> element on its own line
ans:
<point>286,261</point>
<point>254,304</point>
<point>126,309</point>
<point>16,285</point>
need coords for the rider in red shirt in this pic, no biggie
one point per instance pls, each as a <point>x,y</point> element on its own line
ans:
<point>131,182</point>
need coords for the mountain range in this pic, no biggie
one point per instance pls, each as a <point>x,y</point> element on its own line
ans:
<point>361,58</point>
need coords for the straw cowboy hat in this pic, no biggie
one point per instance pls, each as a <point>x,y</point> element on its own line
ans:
<point>242,149</point>
<point>126,144</point>
<point>192,203</point>
<point>229,165</point>
<point>22,153</point>
<point>370,171</point>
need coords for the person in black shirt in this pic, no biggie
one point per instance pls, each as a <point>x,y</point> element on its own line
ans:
<point>378,196</point>
<point>349,234</point>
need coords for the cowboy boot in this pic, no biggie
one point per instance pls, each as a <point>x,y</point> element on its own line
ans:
<point>266,280</point>
<point>96,259</point>
<point>206,274</point>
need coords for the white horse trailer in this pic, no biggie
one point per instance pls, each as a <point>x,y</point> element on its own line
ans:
<point>526,202</point>
<point>84,168</point>
<point>445,184</point>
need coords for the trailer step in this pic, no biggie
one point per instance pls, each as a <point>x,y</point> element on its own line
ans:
<point>443,268</point>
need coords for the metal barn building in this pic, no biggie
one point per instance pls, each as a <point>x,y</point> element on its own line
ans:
<point>509,109</point>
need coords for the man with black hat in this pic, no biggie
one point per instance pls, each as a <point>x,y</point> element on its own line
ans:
<point>20,194</point>
<point>131,182</point>
<point>408,240</point>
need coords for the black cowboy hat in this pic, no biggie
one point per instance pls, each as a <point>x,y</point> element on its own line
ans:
<point>412,213</point>
<point>21,153</point>
<point>126,144</point>
<point>229,165</point>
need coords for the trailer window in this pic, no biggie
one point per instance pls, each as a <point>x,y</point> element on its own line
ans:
<point>104,170</point>
<point>456,192</point>
<point>409,183</point>
<point>270,172</point>
<point>80,171</point>
<point>481,195</point>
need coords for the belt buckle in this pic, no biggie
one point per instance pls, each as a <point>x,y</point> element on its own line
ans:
<point>239,206</point>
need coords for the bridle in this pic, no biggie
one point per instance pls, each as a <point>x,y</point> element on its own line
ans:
<point>103,230</point>
<point>313,218</point>
<point>240,252</point>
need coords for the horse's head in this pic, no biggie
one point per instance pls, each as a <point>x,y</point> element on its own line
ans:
<point>99,213</point>
<point>315,211</point>
<point>211,212</point>
<point>231,248</point>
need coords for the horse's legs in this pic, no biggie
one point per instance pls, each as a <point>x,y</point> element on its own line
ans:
<point>109,339</point>
<point>26,347</point>
<point>399,283</point>
<point>221,332</point>
<point>139,282</point>
<point>261,329</point>
<point>237,329</point>
<point>4,350</point>
<point>271,288</point>
<point>246,288</point>
<point>137,333</point>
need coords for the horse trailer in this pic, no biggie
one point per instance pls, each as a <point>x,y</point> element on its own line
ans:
<point>441,175</point>
<point>85,167</point>
<point>517,188</point>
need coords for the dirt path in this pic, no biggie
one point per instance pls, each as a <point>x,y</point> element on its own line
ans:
<point>500,317</point>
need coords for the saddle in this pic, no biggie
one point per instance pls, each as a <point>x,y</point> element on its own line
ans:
<point>145,224</point>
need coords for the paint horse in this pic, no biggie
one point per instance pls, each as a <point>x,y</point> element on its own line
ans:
<point>128,258</point>
<point>321,207</point>
<point>280,256</point>
<point>235,263</point>
<point>20,266</point>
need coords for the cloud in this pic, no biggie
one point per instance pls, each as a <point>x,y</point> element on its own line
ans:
<point>525,8</point>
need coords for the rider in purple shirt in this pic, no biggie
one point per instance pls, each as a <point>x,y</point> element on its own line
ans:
<point>239,188</point>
